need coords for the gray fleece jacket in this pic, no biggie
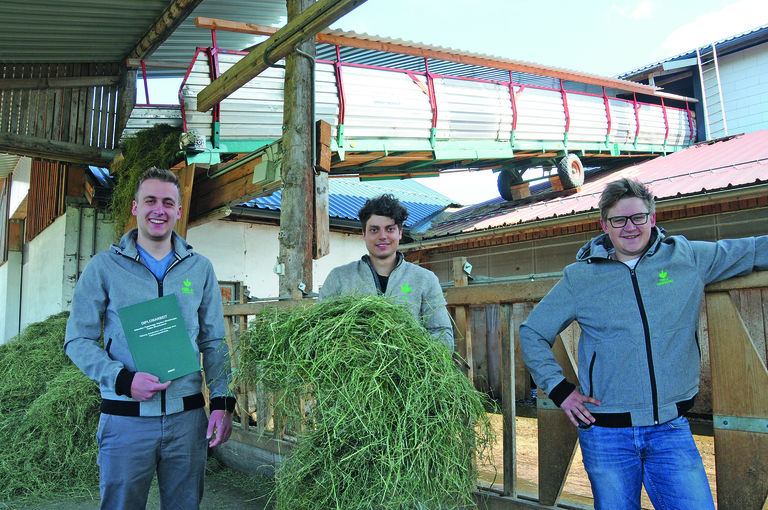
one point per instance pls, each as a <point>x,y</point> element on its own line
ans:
<point>639,350</point>
<point>116,278</point>
<point>416,287</point>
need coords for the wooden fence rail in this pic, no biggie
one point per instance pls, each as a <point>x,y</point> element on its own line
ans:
<point>733,341</point>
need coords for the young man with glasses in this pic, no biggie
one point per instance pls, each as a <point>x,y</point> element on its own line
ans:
<point>636,295</point>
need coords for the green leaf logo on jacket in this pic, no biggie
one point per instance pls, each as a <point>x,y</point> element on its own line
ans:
<point>663,278</point>
<point>405,288</point>
<point>187,287</point>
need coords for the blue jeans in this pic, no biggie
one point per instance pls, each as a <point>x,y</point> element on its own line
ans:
<point>132,449</point>
<point>662,457</point>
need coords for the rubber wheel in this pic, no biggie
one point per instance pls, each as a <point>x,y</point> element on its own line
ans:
<point>571,171</point>
<point>506,179</point>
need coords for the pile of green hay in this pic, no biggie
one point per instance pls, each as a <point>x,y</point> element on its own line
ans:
<point>156,146</point>
<point>393,422</point>
<point>49,413</point>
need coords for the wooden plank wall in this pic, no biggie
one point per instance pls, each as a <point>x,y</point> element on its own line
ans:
<point>84,115</point>
<point>47,195</point>
<point>5,195</point>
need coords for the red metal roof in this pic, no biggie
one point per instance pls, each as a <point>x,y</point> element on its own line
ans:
<point>706,167</point>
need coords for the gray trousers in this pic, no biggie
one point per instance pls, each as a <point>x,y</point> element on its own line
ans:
<point>132,449</point>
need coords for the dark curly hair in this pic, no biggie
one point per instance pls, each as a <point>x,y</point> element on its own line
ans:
<point>384,205</point>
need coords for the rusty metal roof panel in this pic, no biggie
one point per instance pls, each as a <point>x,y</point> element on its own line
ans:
<point>704,168</point>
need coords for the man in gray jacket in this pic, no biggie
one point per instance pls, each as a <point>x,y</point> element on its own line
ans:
<point>636,295</point>
<point>385,272</point>
<point>147,426</point>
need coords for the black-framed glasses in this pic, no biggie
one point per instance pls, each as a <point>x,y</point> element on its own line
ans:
<point>636,219</point>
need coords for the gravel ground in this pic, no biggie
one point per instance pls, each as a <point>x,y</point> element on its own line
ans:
<point>225,489</point>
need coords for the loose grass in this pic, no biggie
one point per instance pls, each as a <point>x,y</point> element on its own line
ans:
<point>393,421</point>
<point>48,417</point>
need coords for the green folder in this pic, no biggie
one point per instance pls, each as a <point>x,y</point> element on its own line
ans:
<point>158,339</point>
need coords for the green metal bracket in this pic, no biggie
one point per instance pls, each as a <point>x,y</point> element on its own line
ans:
<point>216,134</point>
<point>340,141</point>
<point>740,423</point>
<point>432,137</point>
<point>615,151</point>
<point>565,140</point>
<point>512,139</point>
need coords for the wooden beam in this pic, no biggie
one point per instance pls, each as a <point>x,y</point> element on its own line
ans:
<point>321,245</point>
<point>163,27</point>
<point>186,176</point>
<point>359,41</point>
<point>739,392</point>
<point>305,26</point>
<point>126,96</point>
<point>47,82</point>
<point>36,147</point>
<point>508,292</point>
<point>226,190</point>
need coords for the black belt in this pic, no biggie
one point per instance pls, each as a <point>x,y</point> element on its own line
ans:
<point>616,420</point>
<point>133,408</point>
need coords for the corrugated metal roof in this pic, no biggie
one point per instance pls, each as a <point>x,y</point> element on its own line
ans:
<point>704,168</point>
<point>8,164</point>
<point>347,196</point>
<point>98,31</point>
<point>722,45</point>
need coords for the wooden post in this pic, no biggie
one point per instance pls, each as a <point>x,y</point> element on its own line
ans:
<point>557,436</point>
<point>508,410</point>
<point>321,245</point>
<point>463,326</point>
<point>296,212</point>
<point>739,408</point>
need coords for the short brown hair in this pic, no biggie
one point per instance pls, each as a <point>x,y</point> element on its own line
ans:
<point>625,188</point>
<point>158,174</point>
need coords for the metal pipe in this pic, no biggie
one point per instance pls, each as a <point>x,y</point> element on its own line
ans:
<point>313,130</point>
<point>144,77</point>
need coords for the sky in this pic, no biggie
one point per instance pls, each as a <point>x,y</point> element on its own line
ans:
<point>593,36</point>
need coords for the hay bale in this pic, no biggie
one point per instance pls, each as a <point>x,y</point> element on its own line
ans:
<point>393,423</point>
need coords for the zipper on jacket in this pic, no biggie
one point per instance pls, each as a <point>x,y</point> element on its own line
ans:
<point>591,369</point>
<point>160,294</point>
<point>648,351</point>
<point>376,281</point>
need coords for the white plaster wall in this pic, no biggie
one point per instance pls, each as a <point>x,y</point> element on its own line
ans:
<point>42,274</point>
<point>744,83</point>
<point>20,183</point>
<point>10,279</point>
<point>248,252</point>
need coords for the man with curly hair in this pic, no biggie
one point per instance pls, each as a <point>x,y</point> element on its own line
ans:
<point>384,271</point>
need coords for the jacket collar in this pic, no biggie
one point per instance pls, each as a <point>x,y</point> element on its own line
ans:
<point>128,246</point>
<point>601,247</point>
<point>399,257</point>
